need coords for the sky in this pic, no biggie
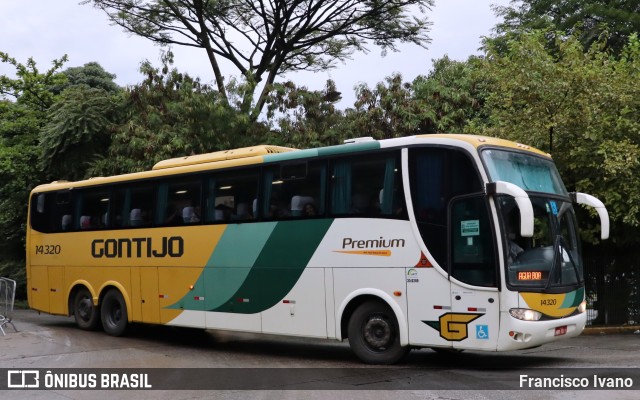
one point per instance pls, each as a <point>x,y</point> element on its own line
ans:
<point>46,30</point>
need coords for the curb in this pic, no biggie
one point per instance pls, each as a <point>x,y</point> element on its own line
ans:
<point>605,330</point>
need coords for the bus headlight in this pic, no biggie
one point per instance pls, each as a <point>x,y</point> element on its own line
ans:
<point>525,314</point>
<point>582,307</point>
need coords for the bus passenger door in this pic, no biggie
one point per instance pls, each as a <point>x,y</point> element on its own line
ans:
<point>473,267</point>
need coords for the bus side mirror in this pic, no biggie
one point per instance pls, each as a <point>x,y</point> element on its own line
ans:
<point>522,200</point>
<point>587,199</point>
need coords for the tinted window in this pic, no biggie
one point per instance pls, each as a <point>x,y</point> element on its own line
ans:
<point>294,190</point>
<point>367,186</point>
<point>232,196</point>
<point>437,176</point>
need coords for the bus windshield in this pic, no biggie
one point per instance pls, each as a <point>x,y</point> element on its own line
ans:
<point>551,258</point>
<point>529,172</point>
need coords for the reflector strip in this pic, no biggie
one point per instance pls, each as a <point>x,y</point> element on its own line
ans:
<point>200,298</point>
<point>243,300</point>
<point>442,307</point>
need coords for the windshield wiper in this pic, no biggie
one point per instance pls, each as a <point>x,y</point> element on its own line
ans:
<point>559,246</point>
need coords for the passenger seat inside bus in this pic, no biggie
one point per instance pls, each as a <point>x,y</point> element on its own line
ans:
<point>297,204</point>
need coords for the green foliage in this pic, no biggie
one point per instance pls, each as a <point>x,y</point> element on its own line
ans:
<point>21,118</point>
<point>307,118</point>
<point>581,106</point>
<point>77,128</point>
<point>586,20</point>
<point>30,86</point>
<point>171,114</point>
<point>389,110</point>
<point>91,74</point>
<point>453,93</point>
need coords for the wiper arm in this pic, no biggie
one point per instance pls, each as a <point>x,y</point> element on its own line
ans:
<point>558,246</point>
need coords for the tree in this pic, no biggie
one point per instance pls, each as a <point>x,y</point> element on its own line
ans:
<point>30,86</point>
<point>588,20</point>
<point>77,129</point>
<point>171,114</point>
<point>582,107</point>
<point>263,39</point>
<point>388,110</point>
<point>24,100</point>
<point>91,74</point>
<point>453,92</point>
<point>306,118</point>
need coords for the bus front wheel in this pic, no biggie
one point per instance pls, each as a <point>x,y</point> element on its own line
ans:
<point>114,313</point>
<point>86,314</point>
<point>374,334</point>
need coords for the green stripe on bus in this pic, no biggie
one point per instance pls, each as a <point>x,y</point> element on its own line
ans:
<point>278,267</point>
<point>229,265</point>
<point>290,155</point>
<point>573,299</point>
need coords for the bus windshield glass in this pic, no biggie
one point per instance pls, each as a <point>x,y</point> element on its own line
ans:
<point>549,259</point>
<point>529,172</point>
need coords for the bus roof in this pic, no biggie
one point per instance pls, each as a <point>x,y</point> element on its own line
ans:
<point>267,153</point>
<point>221,156</point>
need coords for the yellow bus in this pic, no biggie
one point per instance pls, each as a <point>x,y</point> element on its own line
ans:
<point>441,241</point>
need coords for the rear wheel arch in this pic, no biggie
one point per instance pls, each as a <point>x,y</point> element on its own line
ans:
<point>357,298</point>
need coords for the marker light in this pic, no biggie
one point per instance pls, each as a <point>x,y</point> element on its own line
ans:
<point>525,314</point>
<point>582,307</point>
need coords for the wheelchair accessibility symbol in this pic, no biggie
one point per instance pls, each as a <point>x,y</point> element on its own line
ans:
<point>482,332</point>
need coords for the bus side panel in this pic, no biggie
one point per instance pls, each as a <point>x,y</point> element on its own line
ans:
<point>172,283</point>
<point>362,280</point>
<point>57,291</point>
<point>302,311</point>
<point>38,288</point>
<point>148,294</point>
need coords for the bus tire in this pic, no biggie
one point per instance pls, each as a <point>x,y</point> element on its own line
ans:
<point>374,335</point>
<point>114,313</point>
<point>87,315</point>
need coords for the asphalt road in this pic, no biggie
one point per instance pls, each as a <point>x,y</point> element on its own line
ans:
<point>263,366</point>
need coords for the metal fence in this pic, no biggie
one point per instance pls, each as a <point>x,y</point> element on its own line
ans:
<point>612,290</point>
<point>7,297</point>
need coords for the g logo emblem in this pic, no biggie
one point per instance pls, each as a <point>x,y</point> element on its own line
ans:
<point>453,326</point>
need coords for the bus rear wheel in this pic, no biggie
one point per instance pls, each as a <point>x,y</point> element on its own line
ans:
<point>86,314</point>
<point>114,313</point>
<point>374,335</point>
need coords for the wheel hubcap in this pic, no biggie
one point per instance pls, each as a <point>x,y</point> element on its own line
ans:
<point>377,333</point>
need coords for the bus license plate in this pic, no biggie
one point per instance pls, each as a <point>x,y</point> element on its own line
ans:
<point>561,330</point>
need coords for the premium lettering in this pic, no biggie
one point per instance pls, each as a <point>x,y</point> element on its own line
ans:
<point>382,243</point>
<point>138,247</point>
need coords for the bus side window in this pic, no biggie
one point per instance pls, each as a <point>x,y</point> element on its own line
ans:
<point>367,186</point>
<point>91,209</point>
<point>229,196</point>
<point>178,202</point>
<point>294,190</point>
<point>132,206</point>
<point>41,209</point>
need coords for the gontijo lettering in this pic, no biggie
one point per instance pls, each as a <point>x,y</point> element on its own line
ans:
<point>138,247</point>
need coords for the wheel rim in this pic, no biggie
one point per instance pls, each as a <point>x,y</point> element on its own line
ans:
<point>115,314</point>
<point>85,309</point>
<point>378,333</point>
